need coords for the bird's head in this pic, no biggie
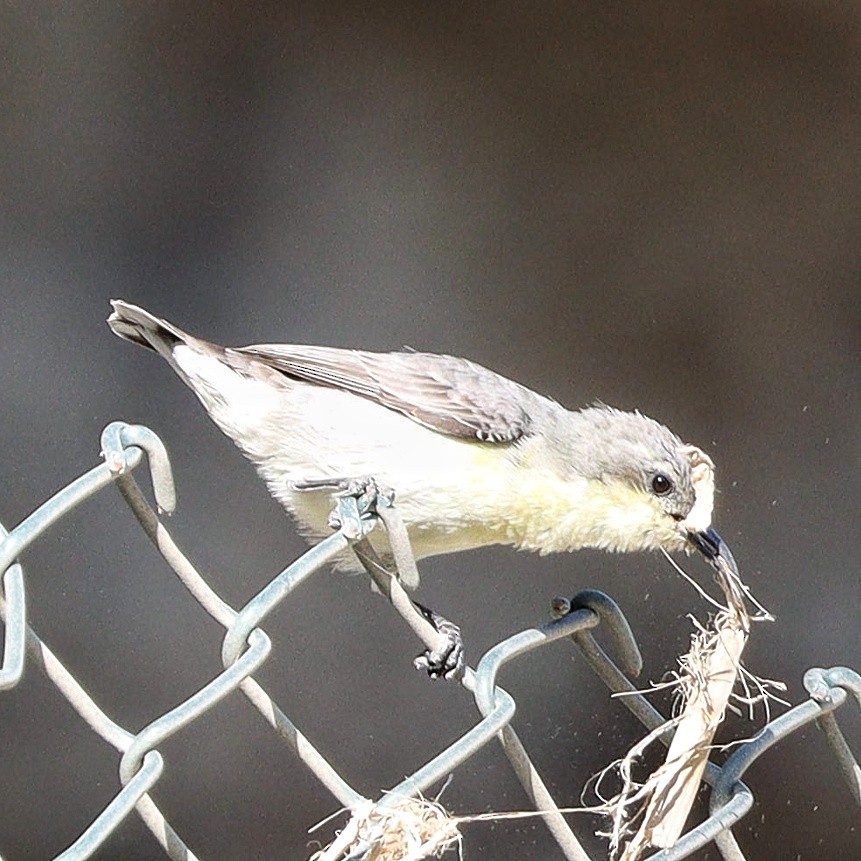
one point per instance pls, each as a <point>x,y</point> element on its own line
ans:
<point>639,486</point>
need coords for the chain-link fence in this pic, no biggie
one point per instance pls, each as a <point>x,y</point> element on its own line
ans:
<point>245,648</point>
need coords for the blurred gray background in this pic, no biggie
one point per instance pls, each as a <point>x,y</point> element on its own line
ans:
<point>638,203</point>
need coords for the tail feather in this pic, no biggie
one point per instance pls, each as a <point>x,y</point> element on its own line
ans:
<point>140,327</point>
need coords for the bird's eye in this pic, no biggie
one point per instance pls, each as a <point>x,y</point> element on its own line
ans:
<point>661,485</point>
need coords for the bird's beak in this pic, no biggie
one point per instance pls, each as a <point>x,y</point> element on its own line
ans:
<point>715,550</point>
<point>708,542</point>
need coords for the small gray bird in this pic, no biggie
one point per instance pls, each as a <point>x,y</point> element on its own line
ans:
<point>472,457</point>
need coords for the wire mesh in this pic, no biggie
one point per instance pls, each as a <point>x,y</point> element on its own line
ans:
<point>246,647</point>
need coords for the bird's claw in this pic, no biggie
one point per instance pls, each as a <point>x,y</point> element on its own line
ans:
<point>445,661</point>
<point>365,490</point>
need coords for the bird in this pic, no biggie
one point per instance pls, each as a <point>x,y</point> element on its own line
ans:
<point>472,457</point>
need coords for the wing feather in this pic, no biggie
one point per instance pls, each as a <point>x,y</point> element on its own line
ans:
<point>450,395</point>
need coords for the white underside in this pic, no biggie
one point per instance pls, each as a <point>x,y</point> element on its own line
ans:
<point>299,431</point>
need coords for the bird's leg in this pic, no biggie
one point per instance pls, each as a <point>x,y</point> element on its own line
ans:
<point>444,656</point>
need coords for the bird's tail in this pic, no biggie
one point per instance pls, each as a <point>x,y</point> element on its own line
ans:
<point>140,327</point>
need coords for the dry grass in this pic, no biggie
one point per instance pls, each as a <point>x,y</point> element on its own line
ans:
<point>409,830</point>
<point>653,814</point>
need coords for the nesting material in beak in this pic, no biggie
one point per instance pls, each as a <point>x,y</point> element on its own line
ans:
<point>699,518</point>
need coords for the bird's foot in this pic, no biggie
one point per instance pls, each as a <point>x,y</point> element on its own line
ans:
<point>446,661</point>
<point>367,493</point>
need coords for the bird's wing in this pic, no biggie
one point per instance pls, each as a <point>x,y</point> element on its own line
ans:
<point>447,394</point>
